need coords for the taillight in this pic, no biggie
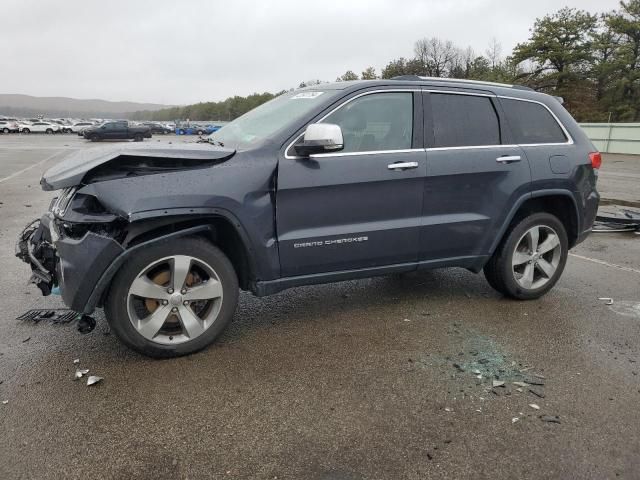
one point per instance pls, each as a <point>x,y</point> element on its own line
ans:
<point>596,159</point>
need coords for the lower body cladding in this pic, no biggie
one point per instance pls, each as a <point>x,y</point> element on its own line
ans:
<point>76,265</point>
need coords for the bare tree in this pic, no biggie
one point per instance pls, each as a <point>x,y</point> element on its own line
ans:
<point>494,52</point>
<point>437,56</point>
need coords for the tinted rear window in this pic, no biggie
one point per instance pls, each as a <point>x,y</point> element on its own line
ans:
<point>532,123</point>
<point>464,120</point>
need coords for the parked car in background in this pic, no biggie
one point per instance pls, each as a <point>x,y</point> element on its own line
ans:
<point>22,124</point>
<point>41,127</point>
<point>78,127</point>
<point>196,129</point>
<point>157,128</point>
<point>9,126</point>
<point>120,130</point>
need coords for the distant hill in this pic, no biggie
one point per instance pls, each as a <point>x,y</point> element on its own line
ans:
<point>26,106</point>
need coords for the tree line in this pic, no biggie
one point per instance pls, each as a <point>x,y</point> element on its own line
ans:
<point>591,60</point>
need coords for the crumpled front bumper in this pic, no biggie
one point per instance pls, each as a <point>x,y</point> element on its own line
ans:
<point>73,264</point>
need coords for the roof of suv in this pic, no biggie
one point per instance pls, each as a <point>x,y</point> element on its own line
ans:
<point>501,89</point>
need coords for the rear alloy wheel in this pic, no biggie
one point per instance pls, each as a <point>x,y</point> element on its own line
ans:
<point>26,130</point>
<point>173,299</point>
<point>49,131</point>
<point>531,258</point>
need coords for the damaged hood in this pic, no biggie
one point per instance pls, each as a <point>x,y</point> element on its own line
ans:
<point>75,167</point>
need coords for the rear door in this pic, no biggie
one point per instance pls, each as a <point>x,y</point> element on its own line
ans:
<point>474,175</point>
<point>358,208</point>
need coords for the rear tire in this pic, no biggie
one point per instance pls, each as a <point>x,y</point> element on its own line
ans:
<point>94,138</point>
<point>530,259</point>
<point>194,326</point>
<point>49,131</point>
<point>137,138</point>
<point>26,130</point>
<point>5,130</point>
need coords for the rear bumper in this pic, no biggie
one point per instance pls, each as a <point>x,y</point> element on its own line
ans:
<point>77,264</point>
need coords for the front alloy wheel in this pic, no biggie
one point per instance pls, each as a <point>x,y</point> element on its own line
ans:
<point>175,299</point>
<point>172,298</point>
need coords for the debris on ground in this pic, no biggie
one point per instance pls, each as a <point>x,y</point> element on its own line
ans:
<point>538,392</point>
<point>80,373</point>
<point>550,418</point>
<point>498,383</point>
<point>93,379</point>
<point>447,409</point>
<point>606,300</point>
<point>77,360</point>
<point>622,220</point>
<point>514,419</point>
<point>54,315</point>
<point>520,384</point>
<point>26,340</point>
<point>534,406</point>
<point>4,402</point>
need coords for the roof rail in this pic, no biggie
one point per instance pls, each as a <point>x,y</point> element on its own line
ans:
<point>417,78</point>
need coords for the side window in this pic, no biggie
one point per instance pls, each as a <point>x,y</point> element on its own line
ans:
<point>379,121</point>
<point>464,121</point>
<point>531,123</point>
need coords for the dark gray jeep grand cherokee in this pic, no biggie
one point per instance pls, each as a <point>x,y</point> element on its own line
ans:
<point>329,183</point>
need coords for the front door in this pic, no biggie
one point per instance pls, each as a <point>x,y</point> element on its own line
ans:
<point>360,207</point>
<point>474,176</point>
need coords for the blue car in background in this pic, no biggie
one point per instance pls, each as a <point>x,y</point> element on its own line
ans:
<point>196,129</point>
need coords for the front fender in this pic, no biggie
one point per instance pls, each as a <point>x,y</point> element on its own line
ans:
<point>104,281</point>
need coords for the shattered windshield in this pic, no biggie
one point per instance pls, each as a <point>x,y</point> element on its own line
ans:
<point>262,122</point>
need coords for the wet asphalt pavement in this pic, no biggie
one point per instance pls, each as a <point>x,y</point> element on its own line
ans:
<point>361,379</point>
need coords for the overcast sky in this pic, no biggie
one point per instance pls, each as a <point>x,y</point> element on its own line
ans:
<point>179,52</point>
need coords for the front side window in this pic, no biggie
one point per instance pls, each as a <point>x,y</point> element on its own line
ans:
<point>376,122</point>
<point>263,122</point>
<point>531,123</point>
<point>464,121</point>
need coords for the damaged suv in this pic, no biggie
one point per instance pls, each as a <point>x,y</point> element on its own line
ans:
<point>329,183</point>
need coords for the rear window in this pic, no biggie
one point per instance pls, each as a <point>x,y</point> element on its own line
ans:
<point>532,123</point>
<point>464,121</point>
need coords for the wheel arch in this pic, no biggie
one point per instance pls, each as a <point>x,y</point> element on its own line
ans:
<point>560,203</point>
<point>217,229</point>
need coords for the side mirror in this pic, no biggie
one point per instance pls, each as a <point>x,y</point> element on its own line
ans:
<point>320,138</point>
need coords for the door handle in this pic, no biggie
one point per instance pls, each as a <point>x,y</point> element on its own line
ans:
<point>402,165</point>
<point>509,159</point>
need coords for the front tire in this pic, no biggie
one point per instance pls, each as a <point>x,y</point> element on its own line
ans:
<point>26,130</point>
<point>173,298</point>
<point>6,130</point>
<point>137,138</point>
<point>530,259</point>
